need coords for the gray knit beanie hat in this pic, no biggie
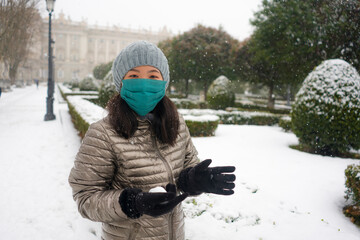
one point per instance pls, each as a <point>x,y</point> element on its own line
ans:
<point>138,54</point>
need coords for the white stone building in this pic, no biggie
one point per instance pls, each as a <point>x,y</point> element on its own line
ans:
<point>78,48</point>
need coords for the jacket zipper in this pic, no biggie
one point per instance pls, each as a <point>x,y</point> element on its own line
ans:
<point>167,166</point>
<point>171,180</point>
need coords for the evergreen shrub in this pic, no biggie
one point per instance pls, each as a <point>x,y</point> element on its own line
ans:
<point>200,127</point>
<point>88,84</point>
<point>240,119</point>
<point>188,104</point>
<point>326,113</point>
<point>80,124</point>
<point>352,183</point>
<point>220,94</point>
<point>285,124</point>
<point>257,108</point>
<point>107,90</point>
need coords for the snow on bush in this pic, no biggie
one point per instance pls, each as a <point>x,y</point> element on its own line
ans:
<point>202,118</point>
<point>202,126</point>
<point>186,103</point>
<point>88,84</point>
<point>236,117</point>
<point>107,89</point>
<point>64,89</point>
<point>220,94</point>
<point>326,112</point>
<point>89,111</point>
<point>352,173</point>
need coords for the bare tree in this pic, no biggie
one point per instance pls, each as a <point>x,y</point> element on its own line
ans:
<point>19,22</point>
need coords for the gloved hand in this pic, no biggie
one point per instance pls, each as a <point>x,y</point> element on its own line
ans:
<point>201,179</point>
<point>134,202</point>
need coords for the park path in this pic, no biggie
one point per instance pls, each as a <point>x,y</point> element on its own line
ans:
<point>35,161</point>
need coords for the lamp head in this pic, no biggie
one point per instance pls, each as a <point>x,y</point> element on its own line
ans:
<point>50,5</point>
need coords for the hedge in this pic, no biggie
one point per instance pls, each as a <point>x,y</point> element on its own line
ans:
<point>188,104</point>
<point>352,173</point>
<point>237,117</point>
<point>352,183</point>
<point>253,107</point>
<point>79,107</point>
<point>80,124</point>
<point>285,123</point>
<point>82,117</point>
<point>202,126</point>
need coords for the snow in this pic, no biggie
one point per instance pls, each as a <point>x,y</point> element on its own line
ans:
<point>65,89</point>
<point>333,82</point>
<point>202,118</point>
<point>200,112</point>
<point>280,193</point>
<point>220,86</point>
<point>89,111</point>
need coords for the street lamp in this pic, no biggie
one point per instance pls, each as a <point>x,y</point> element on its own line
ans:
<point>50,98</point>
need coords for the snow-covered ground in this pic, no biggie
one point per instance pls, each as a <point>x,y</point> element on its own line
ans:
<point>280,193</point>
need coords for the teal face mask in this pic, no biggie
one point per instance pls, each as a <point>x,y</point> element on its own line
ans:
<point>142,94</point>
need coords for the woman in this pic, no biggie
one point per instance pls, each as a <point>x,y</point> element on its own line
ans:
<point>143,143</point>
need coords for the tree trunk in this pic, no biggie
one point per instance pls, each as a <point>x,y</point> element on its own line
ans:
<point>205,90</point>
<point>186,88</point>
<point>168,90</point>
<point>288,95</point>
<point>12,72</point>
<point>271,98</point>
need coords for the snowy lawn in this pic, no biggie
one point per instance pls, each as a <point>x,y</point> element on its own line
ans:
<point>280,193</point>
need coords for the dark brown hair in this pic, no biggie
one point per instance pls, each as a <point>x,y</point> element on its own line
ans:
<point>165,124</point>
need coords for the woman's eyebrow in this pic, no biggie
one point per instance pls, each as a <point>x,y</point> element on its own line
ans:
<point>153,70</point>
<point>133,69</point>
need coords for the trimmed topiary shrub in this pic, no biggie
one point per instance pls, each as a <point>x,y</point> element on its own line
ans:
<point>220,94</point>
<point>236,117</point>
<point>285,124</point>
<point>326,113</point>
<point>202,126</point>
<point>184,103</point>
<point>352,173</point>
<point>88,84</point>
<point>107,90</point>
<point>80,124</point>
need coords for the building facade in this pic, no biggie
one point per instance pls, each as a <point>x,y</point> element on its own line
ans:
<point>78,48</point>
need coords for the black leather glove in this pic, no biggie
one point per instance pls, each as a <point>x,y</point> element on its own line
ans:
<point>201,178</point>
<point>135,202</point>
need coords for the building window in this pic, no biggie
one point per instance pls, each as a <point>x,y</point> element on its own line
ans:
<point>75,74</point>
<point>75,57</point>
<point>60,74</point>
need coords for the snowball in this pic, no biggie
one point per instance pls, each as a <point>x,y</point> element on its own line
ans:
<point>157,189</point>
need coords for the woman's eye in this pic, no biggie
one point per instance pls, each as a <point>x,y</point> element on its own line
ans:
<point>133,76</point>
<point>154,76</point>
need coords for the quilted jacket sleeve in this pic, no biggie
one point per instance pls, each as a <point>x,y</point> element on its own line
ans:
<point>91,177</point>
<point>191,157</point>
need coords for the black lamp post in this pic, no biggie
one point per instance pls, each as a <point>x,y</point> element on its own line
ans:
<point>50,98</point>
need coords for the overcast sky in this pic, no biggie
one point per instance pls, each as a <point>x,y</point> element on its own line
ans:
<point>177,16</point>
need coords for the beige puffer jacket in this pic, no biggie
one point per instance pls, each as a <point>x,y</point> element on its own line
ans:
<point>107,163</point>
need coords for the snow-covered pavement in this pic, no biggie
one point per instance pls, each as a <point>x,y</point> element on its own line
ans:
<point>280,193</point>
<point>35,161</point>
